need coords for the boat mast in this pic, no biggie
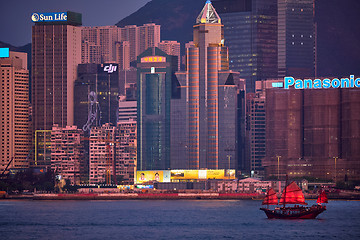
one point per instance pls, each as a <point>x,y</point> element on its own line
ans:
<point>286,183</point>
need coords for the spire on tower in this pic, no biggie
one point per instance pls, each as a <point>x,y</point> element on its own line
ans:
<point>208,14</point>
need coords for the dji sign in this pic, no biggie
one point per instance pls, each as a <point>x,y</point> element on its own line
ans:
<point>110,68</point>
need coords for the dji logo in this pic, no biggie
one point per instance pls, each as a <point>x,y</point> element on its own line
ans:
<point>110,68</point>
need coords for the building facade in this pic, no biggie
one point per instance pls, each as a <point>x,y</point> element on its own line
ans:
<point>171,48</point>
<point>67,153</point>
<point>97,91</point>
<point>126,151</point>
<point>250,32</point>
<point>313,133</point>
<point>296,38</point>
<point>101,154</point>
<point>15,133</point>
<point>56,52</point>
<point>155,85</point>
<point>211,95</point>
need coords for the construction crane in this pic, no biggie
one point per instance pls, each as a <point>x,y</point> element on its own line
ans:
<point>108,142</point>
<point>7,166</point>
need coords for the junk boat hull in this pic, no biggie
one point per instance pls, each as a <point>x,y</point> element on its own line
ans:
<point>294,213</point>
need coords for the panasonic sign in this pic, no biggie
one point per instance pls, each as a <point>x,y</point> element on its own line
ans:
<point>350,82</point>
<point>49,17</point>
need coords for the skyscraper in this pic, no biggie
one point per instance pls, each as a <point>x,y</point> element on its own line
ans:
<point>96,99</point>
<point>313,132</point>
<point>56,52</point>
<point>296,38</point>
<point>212,96</point>
<point>99,41</point>
<point>250,32</point>
<point>171,48</point>
<point>14,111</point>
<point>155,85</point>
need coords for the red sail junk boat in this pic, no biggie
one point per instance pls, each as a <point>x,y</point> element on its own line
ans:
<point>292,194</point>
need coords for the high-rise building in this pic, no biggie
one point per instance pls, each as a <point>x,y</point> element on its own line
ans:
<point>296,38</point>
<point>312,132</point>
<point>42,154</point>
<point>99,41</point>
<point>127,110</point>
<point>250,32</point>
<point>67,153</point>
<point>130,33</point>
<point>148,36</point>
<point>15,134</point>
<point>256,128</point>
<point>171,48</point>
<point>155,85</point>
<point>96,97</point>
<point>56,52</point>
<point>212,97</point>
<point>126,144</point>
<point>123,55</point>
<point>101,154</point>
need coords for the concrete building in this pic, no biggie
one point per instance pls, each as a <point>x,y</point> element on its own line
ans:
<point>126,151</point>
<point>99,41</point>
<point>171,48</point>
<point>148,36</point>
<point>14,111</point>
<point>101,154</point>
<point>67,153</point>
<point>130,34</point>
<point>250,33</point>
<point>56,52</point>
<point>313,132</point>
<point>42,155</point>
<point>123,55</point>
<point>127,110</point>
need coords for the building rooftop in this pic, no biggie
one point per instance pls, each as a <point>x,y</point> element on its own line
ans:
<point>208,14</point>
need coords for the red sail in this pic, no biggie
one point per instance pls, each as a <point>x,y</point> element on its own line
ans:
<point>322,198</point>
<point>292,194</point>
<point>270,198</point>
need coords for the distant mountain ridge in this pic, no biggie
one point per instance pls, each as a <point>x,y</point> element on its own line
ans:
<point>176,18</point>
<point>337,40</point>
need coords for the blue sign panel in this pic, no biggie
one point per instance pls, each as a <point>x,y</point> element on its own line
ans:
<point>4,52</point>
<point>277,85</point>
<point>49,17</point>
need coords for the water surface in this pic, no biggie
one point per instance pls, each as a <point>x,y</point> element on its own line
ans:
<point>177,219</point>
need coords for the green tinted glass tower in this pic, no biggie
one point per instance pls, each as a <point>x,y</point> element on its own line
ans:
<point>154,81</point>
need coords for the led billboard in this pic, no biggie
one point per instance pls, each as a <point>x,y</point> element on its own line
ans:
<point>4,52</point>
<point>146,176</point>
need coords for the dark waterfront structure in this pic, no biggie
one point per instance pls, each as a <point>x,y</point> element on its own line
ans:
<point>296,38</point>
<point>313,133</point>
<point>250,32</point>
<point>156,85</point>
<point>96,95</point>
<point>56,52</point>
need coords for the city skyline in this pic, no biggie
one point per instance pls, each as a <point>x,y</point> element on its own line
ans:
<point>206,83</point>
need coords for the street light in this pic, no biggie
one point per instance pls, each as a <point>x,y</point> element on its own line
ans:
<point>335,158</point>
<point>278,171</point>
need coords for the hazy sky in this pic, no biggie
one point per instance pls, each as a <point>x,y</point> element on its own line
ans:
<point>15,15</point>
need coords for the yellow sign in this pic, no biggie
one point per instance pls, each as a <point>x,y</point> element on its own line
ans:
<point>153,59</point>
<point>168,175</point>
<point>146,176</point>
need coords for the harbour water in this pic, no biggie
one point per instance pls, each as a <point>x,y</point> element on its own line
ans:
<point>166,219</point>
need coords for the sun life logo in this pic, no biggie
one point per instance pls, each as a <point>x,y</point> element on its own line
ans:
<point>35,17</point>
